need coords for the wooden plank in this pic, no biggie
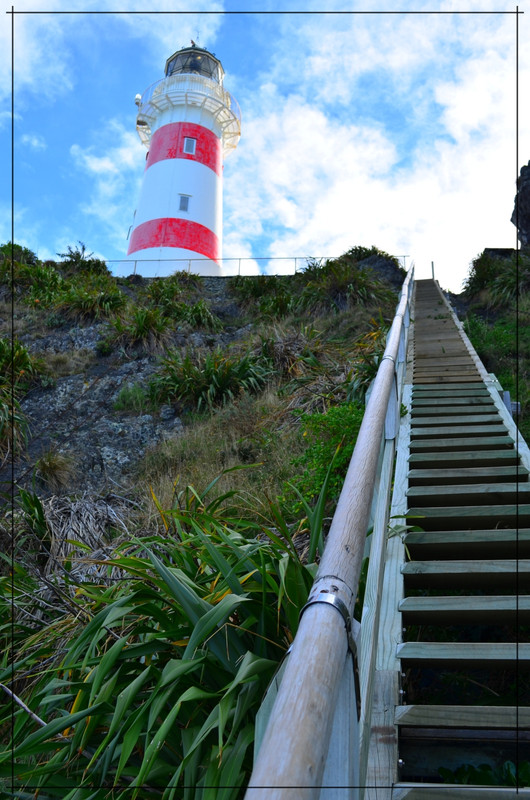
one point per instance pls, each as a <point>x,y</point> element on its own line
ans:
<point>382,770</point>
<point>372,602</point>
<point>436,518</point>
<point>445,654</point>
<point>486,568</point>
<point>456,431</point>
<point>471,494</point>
<point>458,418</point>
<point>490,717</point>
<point>444,545</point>
<point>449,402</point>
<point>446,791</point>
<point>465,390</point>
<point>462,443</point>
<point>454,610</point>
<point>479,458</point>
<point>449,378</point>
<point>421,412</point>
<point>462,475</point>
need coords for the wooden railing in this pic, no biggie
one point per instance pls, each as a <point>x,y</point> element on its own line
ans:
<point>311,740</point>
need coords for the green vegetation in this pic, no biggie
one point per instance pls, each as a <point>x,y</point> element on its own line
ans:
<point>498,326</point>
<point>205,380</point>
<point>331,438</point>
<point>143,652</point>
<point>155,679</point>
<point>508,774</point>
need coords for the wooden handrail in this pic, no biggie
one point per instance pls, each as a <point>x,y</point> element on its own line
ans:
<point>295,745</point>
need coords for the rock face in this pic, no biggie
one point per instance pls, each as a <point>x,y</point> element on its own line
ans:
<point>521,211</point>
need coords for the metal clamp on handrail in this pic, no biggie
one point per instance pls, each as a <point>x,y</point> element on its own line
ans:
<point>353,629</point>
<point>340,605</point>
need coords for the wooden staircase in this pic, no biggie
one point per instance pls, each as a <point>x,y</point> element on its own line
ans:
<point>457,588</point>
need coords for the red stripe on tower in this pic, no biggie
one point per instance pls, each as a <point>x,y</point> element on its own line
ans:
<point>168,142</point>
<point>172,232</point>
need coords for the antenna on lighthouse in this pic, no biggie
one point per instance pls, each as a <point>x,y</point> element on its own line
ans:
<point>189,123</point>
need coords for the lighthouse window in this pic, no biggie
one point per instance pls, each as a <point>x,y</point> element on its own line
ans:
<point>184,202</point>
<point>189,145</point>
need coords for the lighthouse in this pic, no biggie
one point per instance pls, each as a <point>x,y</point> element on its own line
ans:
<point>189,123</point>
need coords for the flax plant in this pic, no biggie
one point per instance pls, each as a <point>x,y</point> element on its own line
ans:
<point>150,686</point>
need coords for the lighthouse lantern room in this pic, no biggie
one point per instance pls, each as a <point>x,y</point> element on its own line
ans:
<point>189,123</point>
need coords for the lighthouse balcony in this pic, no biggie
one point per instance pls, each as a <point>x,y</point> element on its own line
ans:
<point>197,95</point>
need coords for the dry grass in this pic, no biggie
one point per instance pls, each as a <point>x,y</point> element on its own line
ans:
<point>245,436</point>
<point>71,362</point>
<point>55,470</point>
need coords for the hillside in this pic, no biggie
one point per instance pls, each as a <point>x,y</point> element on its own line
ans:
<point>178,447</point>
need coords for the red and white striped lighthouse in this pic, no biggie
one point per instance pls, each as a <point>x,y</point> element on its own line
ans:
<point>189,123</point>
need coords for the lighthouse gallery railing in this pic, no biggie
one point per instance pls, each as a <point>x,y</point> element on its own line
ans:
<point>311,738</point>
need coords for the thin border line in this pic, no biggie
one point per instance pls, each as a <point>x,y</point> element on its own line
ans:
<point>12,410</point>
<point>270,13</point>
<point>517,12</point>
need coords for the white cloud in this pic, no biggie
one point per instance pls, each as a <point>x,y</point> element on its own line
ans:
<point>44,43</point>
<point>322,165</point>
<point>33,141</point>
<point>115,179</point>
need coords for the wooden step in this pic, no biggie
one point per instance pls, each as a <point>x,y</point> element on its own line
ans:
<point>448,791</point>
<point>458,545</point>
<point>494,609</point>
<point>466,475</point>
<point>437,518</point>
<point>449,378</point>
<point>458,430</point>
<point>449,404</point>
<point>420,414</point>
<point>478,458</point>
<point>470,494</point>
<point>463,654</point>
<point>512,574</point>
<point>488,717</point>
<point>462,418</point>
<point>473,443</point>
<point>463,390</point>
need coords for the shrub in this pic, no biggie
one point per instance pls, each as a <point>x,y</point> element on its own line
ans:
<point>482,271</point>
<point>55,469</point>
<point>512,280</point>
<point>95,297</point>
<point>143,326</point>
<point>271,294</point>
<point>133,398</point>
<point>77,260</point>
<point>209,379</point>
<point>17,365</point>
<point>17,252</point>
<point>43,284</point>
<point>340,284</point>
<point>199,315</point>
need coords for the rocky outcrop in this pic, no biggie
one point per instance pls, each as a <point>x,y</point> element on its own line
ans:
<point>521,211</point>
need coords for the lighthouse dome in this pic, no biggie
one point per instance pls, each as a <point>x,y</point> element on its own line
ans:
<point>195,60</point>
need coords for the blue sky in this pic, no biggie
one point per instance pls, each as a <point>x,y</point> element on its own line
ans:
<point>396,130</point>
